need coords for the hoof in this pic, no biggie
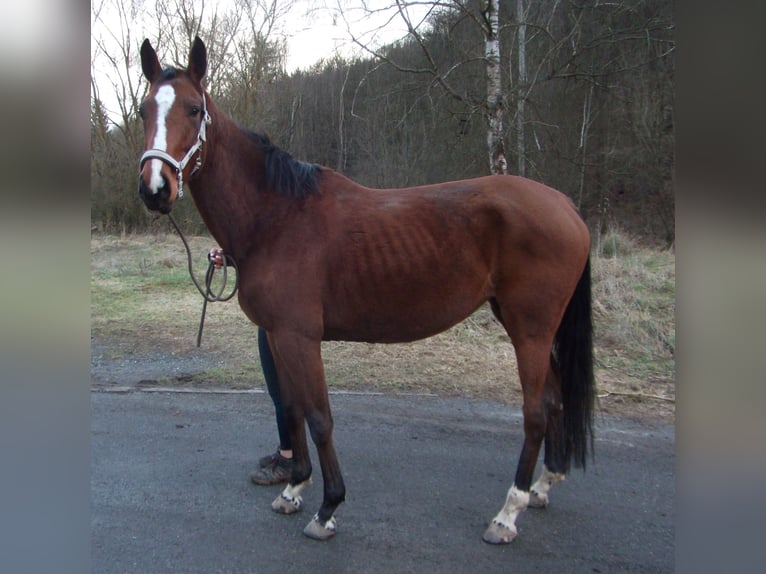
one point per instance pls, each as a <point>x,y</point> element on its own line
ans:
<point>538,500</point>
<point>318,531</point>
<point>499,534</point>
<point>286,505</point>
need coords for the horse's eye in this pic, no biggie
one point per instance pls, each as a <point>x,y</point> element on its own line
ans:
<point>194,111</point>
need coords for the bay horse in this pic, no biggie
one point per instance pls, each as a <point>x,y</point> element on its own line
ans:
<point>320,257</point>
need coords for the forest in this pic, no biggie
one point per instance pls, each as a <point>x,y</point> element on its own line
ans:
<point>576,94</point>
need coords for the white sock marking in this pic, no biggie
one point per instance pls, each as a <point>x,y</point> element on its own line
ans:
<point>515,503</point>
<point>543,485</point>
<point>292,494</point>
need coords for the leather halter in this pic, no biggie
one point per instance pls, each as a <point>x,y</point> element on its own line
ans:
<point>179,166</point>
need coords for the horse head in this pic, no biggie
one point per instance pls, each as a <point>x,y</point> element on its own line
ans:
<point>175,117</point>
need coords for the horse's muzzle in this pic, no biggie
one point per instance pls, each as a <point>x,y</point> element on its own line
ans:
<point>157,202</point>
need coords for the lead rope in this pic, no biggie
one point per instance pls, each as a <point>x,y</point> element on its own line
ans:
<point>207,292</point>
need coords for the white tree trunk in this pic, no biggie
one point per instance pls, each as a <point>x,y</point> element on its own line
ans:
<point>495,109</point>
<point>584,127</point>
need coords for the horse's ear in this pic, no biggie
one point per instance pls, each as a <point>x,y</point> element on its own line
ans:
<point>150,64</point>
<point>198,60</point>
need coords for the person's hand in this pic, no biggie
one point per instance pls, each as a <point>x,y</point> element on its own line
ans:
<point>216,256</point>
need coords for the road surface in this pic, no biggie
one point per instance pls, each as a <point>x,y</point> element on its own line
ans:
<point>424,475</point>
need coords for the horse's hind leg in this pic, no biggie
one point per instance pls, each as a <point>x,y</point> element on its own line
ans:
<point>555,461</point>
<point>531,332</point>
<point>533,366</point>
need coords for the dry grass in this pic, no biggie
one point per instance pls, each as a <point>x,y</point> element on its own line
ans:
<point>142,301</point>
<point>634,313</point>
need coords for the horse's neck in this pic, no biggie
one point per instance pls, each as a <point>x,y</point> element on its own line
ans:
<point>225,191</point>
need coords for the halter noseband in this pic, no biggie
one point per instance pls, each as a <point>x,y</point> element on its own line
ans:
<point>179,166</point>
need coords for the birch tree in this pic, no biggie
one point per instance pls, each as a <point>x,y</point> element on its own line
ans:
<point>416,17</point>
<point>495,105</point>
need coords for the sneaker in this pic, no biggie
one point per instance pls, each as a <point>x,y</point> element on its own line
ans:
<point>276,470</point>
<point>269,459</point>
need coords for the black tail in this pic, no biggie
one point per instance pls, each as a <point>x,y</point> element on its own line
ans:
<point>573,348</point>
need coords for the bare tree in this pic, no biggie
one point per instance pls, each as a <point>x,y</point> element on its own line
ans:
<point>521,15</point>
<point>340,164</point>
<point>417,17</point>
<point>114,48</point>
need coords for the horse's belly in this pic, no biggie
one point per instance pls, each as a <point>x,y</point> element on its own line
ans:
<point>386,331</point>
<point>400,317</point>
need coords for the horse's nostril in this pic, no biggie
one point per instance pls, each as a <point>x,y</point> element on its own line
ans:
<point>143,189</point>
<point>159,187</point>
<point>155,199</point>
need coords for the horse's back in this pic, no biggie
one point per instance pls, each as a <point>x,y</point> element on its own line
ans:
<point>527,204</point>
<point>485,217</point>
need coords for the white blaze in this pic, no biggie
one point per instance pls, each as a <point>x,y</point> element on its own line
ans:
<point>165,97</point>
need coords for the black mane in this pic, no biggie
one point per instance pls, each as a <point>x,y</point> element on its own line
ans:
<point>284,174</point>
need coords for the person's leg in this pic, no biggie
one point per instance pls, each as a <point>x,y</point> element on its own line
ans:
<point>272,384</point>
<point>273,468</point>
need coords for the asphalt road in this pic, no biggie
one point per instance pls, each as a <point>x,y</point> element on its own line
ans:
<point>424,475</point>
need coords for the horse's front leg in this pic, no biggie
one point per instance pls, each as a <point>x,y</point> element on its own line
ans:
<point>290,500</point>
<point>304,396</point>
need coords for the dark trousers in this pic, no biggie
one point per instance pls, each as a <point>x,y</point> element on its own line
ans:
<point>272,384</point>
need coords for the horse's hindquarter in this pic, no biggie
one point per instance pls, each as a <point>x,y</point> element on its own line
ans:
<point>406,264</point>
